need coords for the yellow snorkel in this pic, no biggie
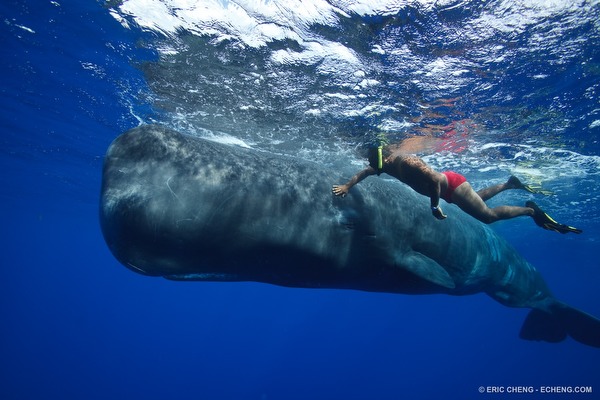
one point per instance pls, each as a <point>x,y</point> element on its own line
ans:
<point>378,141</point>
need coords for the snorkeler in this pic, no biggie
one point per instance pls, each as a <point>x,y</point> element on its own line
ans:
<point>450,186</point>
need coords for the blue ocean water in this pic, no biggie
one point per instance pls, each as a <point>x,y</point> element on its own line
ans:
<point>502,86</point>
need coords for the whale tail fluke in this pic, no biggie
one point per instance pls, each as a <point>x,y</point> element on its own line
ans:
<point>559,322</point>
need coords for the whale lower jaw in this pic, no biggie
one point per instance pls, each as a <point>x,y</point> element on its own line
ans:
<point>218,277</point>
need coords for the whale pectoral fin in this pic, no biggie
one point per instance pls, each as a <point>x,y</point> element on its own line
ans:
<point>427,269</point>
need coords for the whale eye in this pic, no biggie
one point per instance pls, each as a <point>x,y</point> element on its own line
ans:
<point>348,218</point>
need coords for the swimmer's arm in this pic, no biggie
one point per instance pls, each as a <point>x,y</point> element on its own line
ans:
<point>435,193</point>
<point>436,210</point>
<point>342,190</point>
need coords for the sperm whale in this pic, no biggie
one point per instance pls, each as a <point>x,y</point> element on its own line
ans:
<point>186,208</point>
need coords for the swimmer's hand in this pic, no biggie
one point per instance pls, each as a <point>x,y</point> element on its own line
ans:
<point>340,190</point>
<point>438,213</point>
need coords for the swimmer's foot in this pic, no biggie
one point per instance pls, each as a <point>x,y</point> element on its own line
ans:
<point>514,183</point>
<point>547,222</point>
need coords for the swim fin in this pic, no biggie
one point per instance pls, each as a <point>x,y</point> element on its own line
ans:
<point>547,222</point>
<point>513,180</point>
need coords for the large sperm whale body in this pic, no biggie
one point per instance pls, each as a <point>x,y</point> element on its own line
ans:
<point>186,208</point>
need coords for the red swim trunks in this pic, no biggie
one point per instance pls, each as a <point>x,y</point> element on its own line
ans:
<point>454,181</point>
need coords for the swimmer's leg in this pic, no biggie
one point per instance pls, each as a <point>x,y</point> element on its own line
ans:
<point>512,183</point>
<point>489,192</point>
<point>471,202</point>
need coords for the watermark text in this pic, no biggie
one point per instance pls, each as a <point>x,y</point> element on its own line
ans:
<point>536,389</point>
